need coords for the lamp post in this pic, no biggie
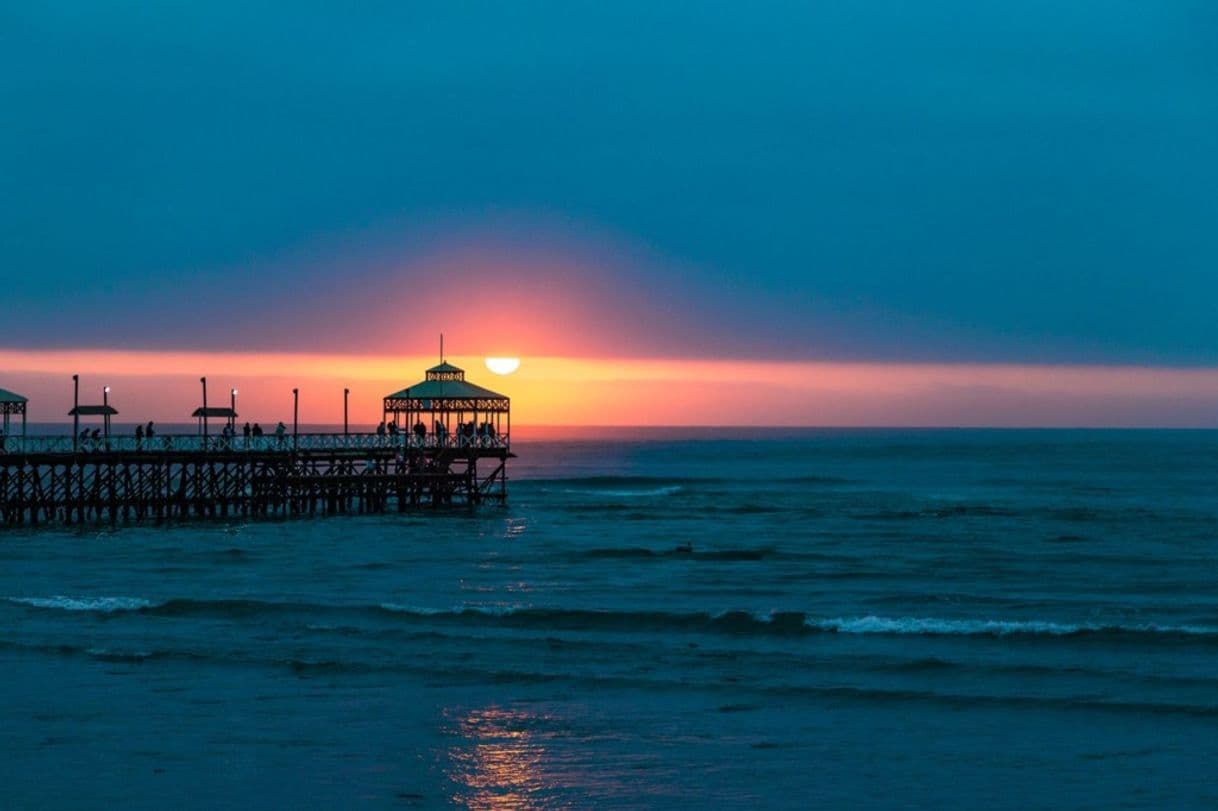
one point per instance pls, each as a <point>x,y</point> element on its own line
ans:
<point>346,392</point>
<point>232,418</point>
<point>203,380</point>
<point>75,413</point>
<point>106,411</point>
<point>295,417</point>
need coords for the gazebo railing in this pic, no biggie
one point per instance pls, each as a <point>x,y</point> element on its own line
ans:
<point>267,443</point>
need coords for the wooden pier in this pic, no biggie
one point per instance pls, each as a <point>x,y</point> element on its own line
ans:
<point>310,474</point>
<point>87,478</point>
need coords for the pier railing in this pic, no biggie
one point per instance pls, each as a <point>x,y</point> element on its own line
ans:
<point>268,443</point>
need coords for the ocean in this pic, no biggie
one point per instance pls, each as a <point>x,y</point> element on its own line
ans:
<point>717,618</point>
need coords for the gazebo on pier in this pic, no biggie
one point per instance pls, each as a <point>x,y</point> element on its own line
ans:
<point>428,408</point>
<point>10,404</point>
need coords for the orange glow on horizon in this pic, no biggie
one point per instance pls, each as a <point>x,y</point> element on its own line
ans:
<point>629,391</point>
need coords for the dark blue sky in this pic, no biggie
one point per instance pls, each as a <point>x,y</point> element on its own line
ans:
<point>891,180</point>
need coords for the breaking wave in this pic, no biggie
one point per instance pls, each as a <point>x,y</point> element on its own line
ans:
<point>980,627</point>
<point>666,490</point>
<point>100,604</point>
<point>546,618</point>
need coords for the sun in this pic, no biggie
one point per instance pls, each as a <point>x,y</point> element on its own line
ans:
<point>503,366</point>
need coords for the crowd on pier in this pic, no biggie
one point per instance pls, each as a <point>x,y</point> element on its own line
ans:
<point>468,434</point>
<point>252,437</point>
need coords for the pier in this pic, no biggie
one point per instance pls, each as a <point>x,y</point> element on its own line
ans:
<point>443,441</point>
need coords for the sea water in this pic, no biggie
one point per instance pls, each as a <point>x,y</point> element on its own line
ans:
<point>709,619</point>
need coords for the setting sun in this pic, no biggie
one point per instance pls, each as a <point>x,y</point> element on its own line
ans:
<point>503,366</point>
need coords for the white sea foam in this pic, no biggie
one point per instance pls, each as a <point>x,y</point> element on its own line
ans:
<point>424,611</point>
<point>416,609</point>
<point>648,493</point>
<point>979,627</point>
<point>106,604</point>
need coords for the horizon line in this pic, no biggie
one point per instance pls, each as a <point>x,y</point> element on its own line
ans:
<point>723,427</point>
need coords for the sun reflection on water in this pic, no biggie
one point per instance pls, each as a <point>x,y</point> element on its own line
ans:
<point>499,765</point>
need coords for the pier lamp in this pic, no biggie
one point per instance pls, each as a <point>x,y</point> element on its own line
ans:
<point>346,393</point>
<point>232,418</point>
<point>295,414</point>
<point>106,410</point>
<point>203,380</point>
<point>75,413</point>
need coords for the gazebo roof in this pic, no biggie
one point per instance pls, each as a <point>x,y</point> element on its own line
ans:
<point>445,382</point>
<point>446,390</point>
<point>7,396</point>
<point>93,411</point>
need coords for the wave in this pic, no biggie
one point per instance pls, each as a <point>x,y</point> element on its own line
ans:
<point>679,553</point>
<point>666,490</point>
<point>545,618</point>
<point>919,626</point>
<point>98,604</point>
<point>449,673</point>
<point>941,512</point>
<point>813,479</point>
<point>597,620</point>
<point>799,623</point>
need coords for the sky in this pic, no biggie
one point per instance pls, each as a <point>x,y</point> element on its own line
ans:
<point>903,208</point>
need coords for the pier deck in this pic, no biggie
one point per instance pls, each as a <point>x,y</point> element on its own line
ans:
<point>66,480</point>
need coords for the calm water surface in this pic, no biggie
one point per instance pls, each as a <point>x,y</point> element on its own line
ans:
<point>888,619</point>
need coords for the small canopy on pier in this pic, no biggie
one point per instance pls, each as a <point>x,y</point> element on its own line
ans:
<point>215,411</point>
<point>11,403</point>
<point>93,411</point>
<point>225,413</point>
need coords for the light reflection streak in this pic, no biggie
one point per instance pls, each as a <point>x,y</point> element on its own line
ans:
<point>499,765</point>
